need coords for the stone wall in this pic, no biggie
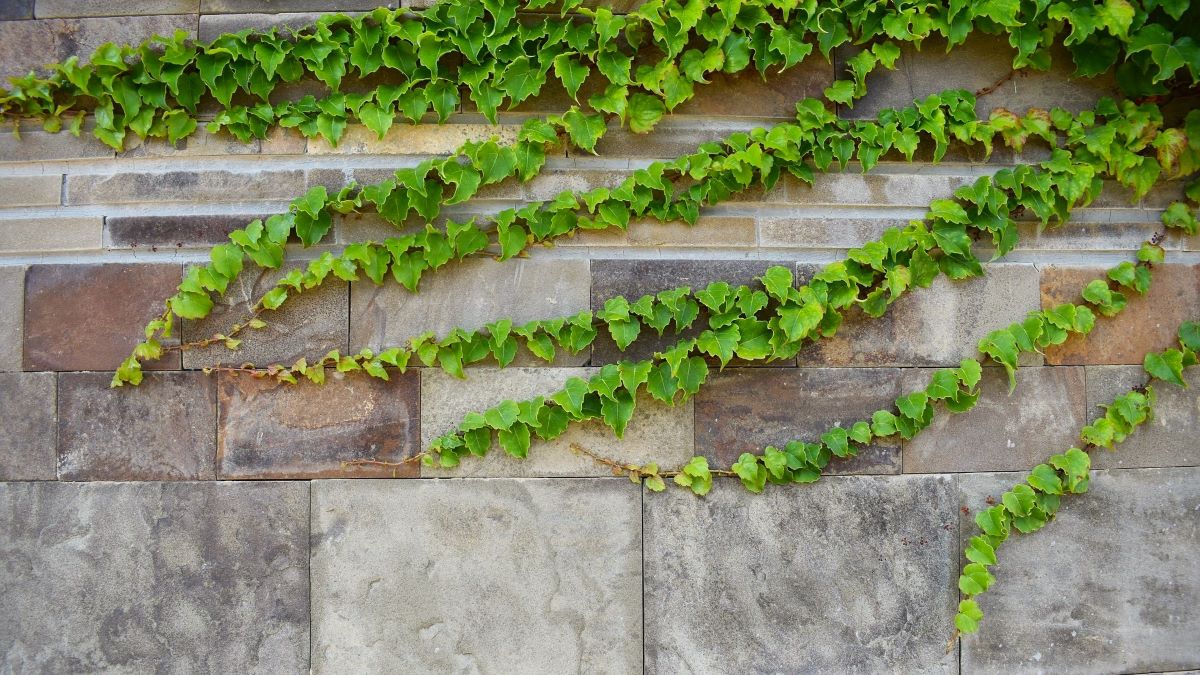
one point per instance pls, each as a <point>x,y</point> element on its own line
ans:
<point>130,545</point>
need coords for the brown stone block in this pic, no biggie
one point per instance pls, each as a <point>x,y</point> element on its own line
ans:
<point>163,429</point>
<point>272,430</point>
<point>89,317</point>
<point>30,45</point>
<point>744,410</point>
<point>27,449</point>
<point>172,231</point>
<point>1148,323</point>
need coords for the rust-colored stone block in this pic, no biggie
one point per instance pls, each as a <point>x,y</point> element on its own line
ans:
<point>89,317</point>
<point>173,231</point>
<point>1148,323</point>
<point>163,429</point>
<point>272,430</point>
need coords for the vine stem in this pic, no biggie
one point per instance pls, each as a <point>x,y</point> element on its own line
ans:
<point>618,467</point>
<point>395,466</point>
<point>998,83</point>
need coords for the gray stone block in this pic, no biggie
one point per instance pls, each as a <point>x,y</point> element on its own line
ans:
<point>1171,438</point>
<point>242,6</point>
<point>51,234</point>
<point>54,9</point>
<point>27,437</point>
<point>154,577</point>
<point>14,10</point>
<point>505,576</point>
<point>1003,432</point>
<point>34,144</point>
<point>213,26</point>
<point>1111,585</point>
<point>12,303</point>
<point>31,190</point>
<point>186,186</point>
<point>852,188</point>
<point>823,232</point>
<point>657,433</point>
<point>30,45</point>
<point>851,574</point>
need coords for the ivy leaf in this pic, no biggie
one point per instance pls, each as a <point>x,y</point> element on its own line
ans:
<point>969,614</point>
<point>842,91</point>
<point>191,305</point>
<point>584,129</point>
<point>617,411</point>
<point>376,118</point>
<point>515,440</point>
<point>644,112</point>
<point>980,551</point>
<point>1166,366</point>
<point>1189,335</point>
<point>571,72</point>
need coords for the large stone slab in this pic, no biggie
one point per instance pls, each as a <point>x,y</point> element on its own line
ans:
<point>308,326</point>
<point>27,435</point>
<point>272,430</point>
<point>851,574</point>
<point>1170,438</point>
<point>89,317</point>
<point>498,576</point>
<point>163,429</point>
<point>12,303</point>
<point>30,45</point>
<point>1111,585</point>
<point>747,409</point>
<point>1003,432</point>
<point>657,433</point>
<point>154,577</point>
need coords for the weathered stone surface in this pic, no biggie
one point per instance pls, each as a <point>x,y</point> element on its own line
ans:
<point>272,430</point>
<point>27,449</point>
<point>724,231</point>
<point>186,186</point>
<point>173,231</point>
<point>635,278</point>
<point>875,189</point>
<point>748,94</point>
<point>407,139</point>
<point>51,234</point>
<point>241,6</point>
<point>309,325</point>
<point>472,294</point>
<point>1003,432</point>
<point>746,409</point>
<point>47,9</point>
<point>154,577</point>
<point>550,182</point>
<point>31,190</point>
<point>164,429</point>
<point>1170,438</point>
<point>657,432</point>
<point>1084,236</point>
<point>1148,323</point>
<point>504,576</point>
<point>35,144</point>
<point>1111,585</point>
<point>976,64</point>
<point>30,45</point>
<point>89,317</point>
<point>823,232</point>
<point>213,26</point>
<point>737,584</point>
<point>13,10</point>
<point>12,301</point>
<point>935,326</point>
<point>201,143</point>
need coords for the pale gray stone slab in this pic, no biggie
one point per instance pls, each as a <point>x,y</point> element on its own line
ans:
<point>1110,586</point>
<point>28,430</point>
<point>1170,438</point>
<point>851,574</point>
<point>12,312</point>
<point>657,433</point>
<point>476,576</point>
<point>154,577</point>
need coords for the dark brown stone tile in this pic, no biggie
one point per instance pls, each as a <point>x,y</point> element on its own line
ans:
<point>164,429</point>
<point>30,45</point>
<point>1148,323</point>
<point>745,409</point>
<point>27,435</point>
<point>272,430</point>
<point>172,231</point>
<point>13,10</point>
<point>89,317</point>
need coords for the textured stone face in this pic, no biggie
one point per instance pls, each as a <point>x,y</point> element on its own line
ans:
<point>172,231</point>
<point>30,45</point>
<point>726,231</point>
<point>13,10</point>
<point>154,577</point>
<point>1003,432</point>
<point>1170,438</point>
<point>89,317</point>
<point>160,430</point>
<point>50,234</point>
<point>74,8</point>
<point>657,433</point>
<point>503,576</point>
<point>31,190</point>
<point>851,574</point>
<point>36,144</point>
<point>12,302</point>
<point>270,430</point>
<point>1110,585</point>
<point>747,409</point>
<point>173,186</point>
<point>237,6</point>
<point>27,449</point>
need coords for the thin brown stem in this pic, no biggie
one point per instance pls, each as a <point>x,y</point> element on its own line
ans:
<point>997,84</point>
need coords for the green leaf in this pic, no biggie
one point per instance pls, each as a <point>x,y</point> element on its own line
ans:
<point>1189,335</point>
<point>571,72</point>
<point>515,440</point>
<point>980,551</point>
<point>842,91</point>
<point>376,118</point>
<point>572,395</point>
<point>1166,366</point>
<point>644,112</point>
<point>190,305</point>
<point>616,412</point>
<point>969,614</point>
<point>975,579</point>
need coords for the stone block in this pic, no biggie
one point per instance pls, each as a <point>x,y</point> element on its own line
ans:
<point>51,234</point>
<point>1086,236</point>
<point>709,231</point>
<point>242,6</point>
<point>31,190</point>
<point>550,182</point>
<point>35,144</point>
<point>308,326</point>
<point>14,10</point>
<point>409,139</point>
<point>31,45</point>
<point>1168,439</point>
<point>12,302</point>
<point>741,584</point>
<point>837,232</point>
<point>935,326</point>
<point>506,576</point>
<point>657,433</point>
<point>89,317</point>
<point>1148,323</point>
<point>201,143</point>
<point>746,409</point>
<point>748,94</point>
<point>163,429</point>
<point>1110,585</point>
<point>173,231</point>
<point>66,9</point>
<point>1003,432</point>
<point>184,186</point>
<point>851,188</point>
<point>272,430</point>
<point>468,295</point>
<point>154,577</point>
<point>27,449</point>
<point>213,26</point>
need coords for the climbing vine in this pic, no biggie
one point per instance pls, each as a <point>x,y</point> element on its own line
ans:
<point>632,70</point>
